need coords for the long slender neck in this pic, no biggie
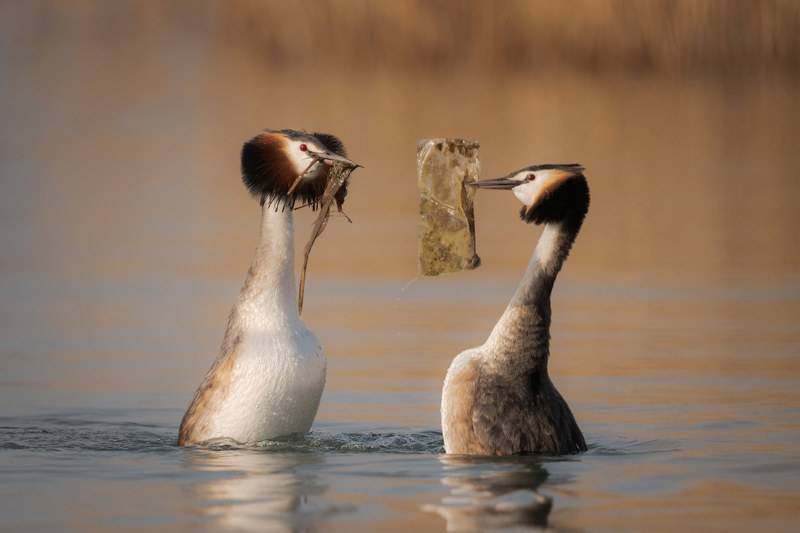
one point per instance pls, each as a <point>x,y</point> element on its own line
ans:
<point>521,338</point>
<point>269,292</point>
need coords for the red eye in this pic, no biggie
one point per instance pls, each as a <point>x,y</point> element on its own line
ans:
<point>303,147</point>
<point>531,177</point>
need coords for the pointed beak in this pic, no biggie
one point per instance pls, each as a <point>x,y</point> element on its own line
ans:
<point>500,184</point>
<point>327,157</point>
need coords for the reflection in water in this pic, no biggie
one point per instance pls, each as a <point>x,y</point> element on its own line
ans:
<point>260,490</point>
<point>489,493</point>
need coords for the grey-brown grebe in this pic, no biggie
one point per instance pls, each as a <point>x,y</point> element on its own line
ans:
<point>498,398</point>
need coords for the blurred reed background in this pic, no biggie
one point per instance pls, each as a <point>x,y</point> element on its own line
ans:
<point>666,37</point>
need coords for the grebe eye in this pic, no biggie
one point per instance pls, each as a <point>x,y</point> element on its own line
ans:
<point>531,177</point>
<point>303,147</point>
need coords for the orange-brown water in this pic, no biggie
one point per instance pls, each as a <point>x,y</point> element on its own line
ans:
<point>126,233</point>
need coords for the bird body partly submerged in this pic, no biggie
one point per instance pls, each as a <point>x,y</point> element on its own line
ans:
<point>268,379</point>
<point>270,375</point>
<point>498,398</point>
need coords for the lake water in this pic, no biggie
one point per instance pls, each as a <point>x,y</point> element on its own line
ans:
<point>126,234</point>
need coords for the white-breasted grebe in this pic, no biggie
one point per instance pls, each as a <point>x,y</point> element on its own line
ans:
<point>270,373</point>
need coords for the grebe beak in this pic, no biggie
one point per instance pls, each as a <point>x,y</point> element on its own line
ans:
<point>327,157</point>
<point>501,184</point>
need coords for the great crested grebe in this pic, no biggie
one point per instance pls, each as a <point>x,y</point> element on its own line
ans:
<point>270,373</point>
<point>498,398</point>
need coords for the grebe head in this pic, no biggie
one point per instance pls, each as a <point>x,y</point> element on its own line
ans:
<point>285,165</point>
<point>549,193</point>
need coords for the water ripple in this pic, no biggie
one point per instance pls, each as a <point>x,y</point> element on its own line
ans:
<point>425,442</point>
<point>49,435</point>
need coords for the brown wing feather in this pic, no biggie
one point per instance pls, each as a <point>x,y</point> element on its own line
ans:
<point>211,391</point>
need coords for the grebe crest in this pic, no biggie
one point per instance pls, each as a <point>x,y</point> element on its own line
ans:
<point>283,166</point>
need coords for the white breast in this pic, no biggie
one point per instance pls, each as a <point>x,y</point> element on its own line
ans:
<point>275,387</point>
